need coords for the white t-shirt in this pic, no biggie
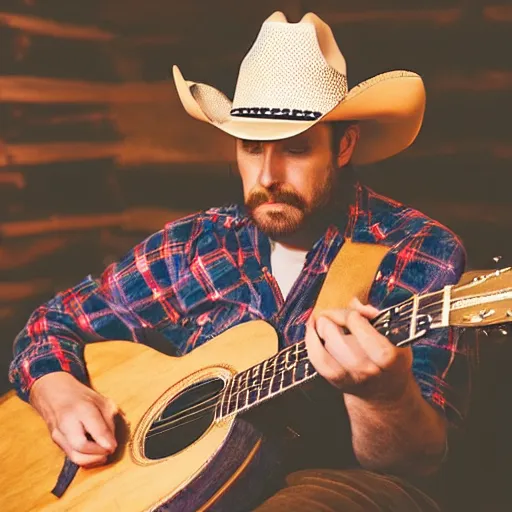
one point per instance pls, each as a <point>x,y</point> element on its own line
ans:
<point>286,264</point>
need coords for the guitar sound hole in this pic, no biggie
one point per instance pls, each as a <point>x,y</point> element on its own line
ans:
<point>184,420</point>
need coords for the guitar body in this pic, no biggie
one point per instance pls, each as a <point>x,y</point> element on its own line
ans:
<point>173,454</point>
<point>195,467</point>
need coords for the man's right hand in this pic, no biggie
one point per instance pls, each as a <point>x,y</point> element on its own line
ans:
<point>81,421</point>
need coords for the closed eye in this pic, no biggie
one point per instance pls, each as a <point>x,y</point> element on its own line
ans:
<point>298,150</point>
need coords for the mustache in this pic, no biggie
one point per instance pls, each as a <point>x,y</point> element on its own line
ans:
<point>274,194</point>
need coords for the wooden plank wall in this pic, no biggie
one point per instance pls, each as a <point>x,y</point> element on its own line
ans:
<point>96,151</point>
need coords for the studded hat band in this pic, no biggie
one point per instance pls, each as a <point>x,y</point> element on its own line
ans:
<point>276,113</point>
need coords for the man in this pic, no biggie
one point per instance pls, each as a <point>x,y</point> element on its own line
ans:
<point>298,131</point>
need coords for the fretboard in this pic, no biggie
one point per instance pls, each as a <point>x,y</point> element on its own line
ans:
<point>401,324</point>
<point>272,377</point>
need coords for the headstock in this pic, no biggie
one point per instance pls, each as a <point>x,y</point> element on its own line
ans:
<point>482,299</point>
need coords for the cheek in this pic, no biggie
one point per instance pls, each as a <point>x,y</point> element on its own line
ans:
<point>247,178</point>
<point>307,186</point>
<point>315,189</point>
<point>248,184</point>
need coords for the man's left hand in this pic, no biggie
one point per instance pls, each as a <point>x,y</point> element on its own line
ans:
<point>363,363</point>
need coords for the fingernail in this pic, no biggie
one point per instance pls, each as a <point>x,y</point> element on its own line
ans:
<point>105,444</point>
<point>320,322</point>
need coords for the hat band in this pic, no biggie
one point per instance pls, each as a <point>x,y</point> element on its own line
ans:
<point>276,113</point>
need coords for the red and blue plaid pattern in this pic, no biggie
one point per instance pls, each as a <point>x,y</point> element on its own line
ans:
<point>210,271</point>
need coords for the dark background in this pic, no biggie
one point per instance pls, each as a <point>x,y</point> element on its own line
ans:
<point>96,151</point>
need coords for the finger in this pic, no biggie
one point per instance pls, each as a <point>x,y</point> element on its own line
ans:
<point>338,316</point>
<point>82,459</point>
<point>109,410</point>
<point>101,429</point>
<point>378,348</point>
<point>94,463</point>
<point>321,360</point>
<point>62,442</point>
<point>345,349</point>
<point>87,461</point>
<point>366,310</point>
<point>76,438</point>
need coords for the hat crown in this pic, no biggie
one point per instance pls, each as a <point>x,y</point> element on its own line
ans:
<point>286,69</point>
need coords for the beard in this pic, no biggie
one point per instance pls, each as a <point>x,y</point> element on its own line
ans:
<point>293,213</point>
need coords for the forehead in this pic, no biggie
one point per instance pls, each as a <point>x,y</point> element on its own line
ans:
<point>318,133</point>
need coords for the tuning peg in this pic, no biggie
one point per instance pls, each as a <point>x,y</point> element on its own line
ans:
<point>496,259</point>
<point>504,332</point>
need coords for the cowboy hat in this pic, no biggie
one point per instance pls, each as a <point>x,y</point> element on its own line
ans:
<point>293,77</point>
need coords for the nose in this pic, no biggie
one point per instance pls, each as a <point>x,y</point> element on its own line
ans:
<point>271,170</point>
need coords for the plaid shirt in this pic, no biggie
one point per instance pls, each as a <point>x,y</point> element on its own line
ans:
<point>209,271</point>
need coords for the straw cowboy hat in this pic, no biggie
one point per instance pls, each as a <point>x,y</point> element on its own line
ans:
<point>295,76</point>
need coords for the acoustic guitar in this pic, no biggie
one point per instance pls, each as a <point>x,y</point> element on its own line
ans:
<point>183,442</point>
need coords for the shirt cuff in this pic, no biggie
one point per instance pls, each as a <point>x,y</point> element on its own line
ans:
<point>26,370</point>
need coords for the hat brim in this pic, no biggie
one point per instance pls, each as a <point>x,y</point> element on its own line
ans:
<point>389,108</point>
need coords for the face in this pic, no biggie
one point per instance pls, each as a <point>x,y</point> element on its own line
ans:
<point>287,181</point>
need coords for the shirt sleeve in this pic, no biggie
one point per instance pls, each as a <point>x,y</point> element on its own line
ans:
<point>94,310</point>
<point>426,262</point>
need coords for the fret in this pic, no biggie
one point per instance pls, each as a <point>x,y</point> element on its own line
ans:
<point>286,369</point>
<point>281,369</point>
<point>288,372</point>
<point>277,383</point>
<point>224,403</point>
<point>267,370</point>
<point>241,399</point>
<point>236,392</point>
<point>429,304</point>
<point>259,380</point>
<point>412,327</point>
<point>447,295</point>
<point>248,378</point>
<point>300,372</point>
<point>310,370</point>
<point>264,389</point>
<point>297,352</point>
<point>238,382</point>
<point>273,369</point>
<point>231,394</point>
<point>289,362</point>
<point>281,359</point>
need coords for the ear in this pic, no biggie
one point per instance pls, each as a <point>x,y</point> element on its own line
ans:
<point>347,145</point>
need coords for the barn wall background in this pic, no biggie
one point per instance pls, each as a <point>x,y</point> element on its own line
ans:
<point>96,151</point>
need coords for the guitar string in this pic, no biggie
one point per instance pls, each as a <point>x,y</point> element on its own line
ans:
<point>238,392</point>
<point>195,387</point>
<point>397,323</point>
<point>187,412</point>
<point>402,319</point>
<point>381,316</point>
<point>176,423</point>
<point>409,302</point>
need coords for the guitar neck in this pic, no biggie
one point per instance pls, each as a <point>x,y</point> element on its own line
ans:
<point>401,324</point>
<point>478,301</point>
<point>287,369</point>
